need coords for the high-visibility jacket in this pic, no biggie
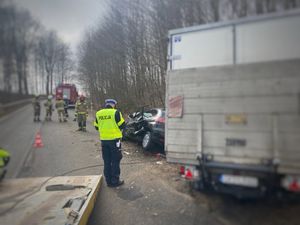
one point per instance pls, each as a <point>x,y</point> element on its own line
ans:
<point>81,108</point>
<point>59,104</point>
<point>48,105</point>
<point>107,125</point>
<point>4,157</point>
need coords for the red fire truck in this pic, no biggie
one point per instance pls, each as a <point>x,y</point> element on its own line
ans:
<point>69,91</point>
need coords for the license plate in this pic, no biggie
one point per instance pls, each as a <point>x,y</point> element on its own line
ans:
<point>239,180</point>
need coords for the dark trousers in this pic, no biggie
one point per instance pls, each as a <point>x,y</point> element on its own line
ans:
<point>37,113</point>
<point>48,113</point>
<point>112,156</point>
<point>66,112</point>
<point>81,120</point>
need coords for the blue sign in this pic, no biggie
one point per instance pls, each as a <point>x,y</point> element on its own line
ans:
<point>177,39</point>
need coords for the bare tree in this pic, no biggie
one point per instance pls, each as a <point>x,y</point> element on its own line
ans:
<point>51,50</point>
<point>17,38</point>
<point>215,10</point>
<point>26,46</point>
<point>24,36</point>
<point>64,63</point>
<point>125,56</point>
<point>6,43</point>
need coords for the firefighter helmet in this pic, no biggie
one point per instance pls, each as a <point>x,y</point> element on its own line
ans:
<point>81,98</point>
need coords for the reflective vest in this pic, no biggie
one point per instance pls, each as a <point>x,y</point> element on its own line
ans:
<point>107,126</point>
<point>59,104</point>
<point>3,156</point>
<point>80,107</point>
<point>48,105</point>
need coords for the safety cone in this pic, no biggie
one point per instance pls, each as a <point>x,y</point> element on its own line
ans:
<point>38,141</point>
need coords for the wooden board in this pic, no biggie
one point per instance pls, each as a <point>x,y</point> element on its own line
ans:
<point>38,206</point>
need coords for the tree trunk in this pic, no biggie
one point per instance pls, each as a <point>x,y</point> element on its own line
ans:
<point>25,81</point>
<point>8,70</point>
<point>259,6</point>
<point>19,76</point>
<point>51,83</point>
<point>47,80</point>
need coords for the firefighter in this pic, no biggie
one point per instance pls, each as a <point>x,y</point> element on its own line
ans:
<point>49,108</point>
<point>109,122</point>
<point>36,109</point>
<point>81,113</point>
<point>66,105</point>
<point>4,159</point>
<point>59,105</point>
<point>75,115</point>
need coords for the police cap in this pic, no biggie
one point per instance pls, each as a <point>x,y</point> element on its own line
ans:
<point>110,101</point>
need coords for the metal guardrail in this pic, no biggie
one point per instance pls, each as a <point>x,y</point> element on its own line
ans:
<point>4,107</point>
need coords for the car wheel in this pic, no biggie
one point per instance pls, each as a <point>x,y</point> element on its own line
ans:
<point>147,141</point>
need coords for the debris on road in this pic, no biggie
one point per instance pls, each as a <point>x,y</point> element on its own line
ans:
<point>159,155</point>
<point>127,153</point>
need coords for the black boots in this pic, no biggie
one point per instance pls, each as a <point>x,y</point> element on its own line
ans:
<point>121,182</point>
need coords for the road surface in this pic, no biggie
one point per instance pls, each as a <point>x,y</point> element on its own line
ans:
<point>153,193</point>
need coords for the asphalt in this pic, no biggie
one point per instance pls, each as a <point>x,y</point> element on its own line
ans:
<point>17,132</point>
<point>153,192</point>
<point>144,199</point>
<point>65,149</point>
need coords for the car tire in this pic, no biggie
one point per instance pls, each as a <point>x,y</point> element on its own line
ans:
<point>147,141</point>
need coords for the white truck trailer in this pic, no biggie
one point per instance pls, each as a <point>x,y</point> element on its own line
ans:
<point>233,104</point>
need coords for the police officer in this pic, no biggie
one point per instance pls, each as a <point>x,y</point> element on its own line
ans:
<point>4,159</point>
<point>81,113</point>
<point>36,109</point>
<point>109,122</point>
<point>59,105</point>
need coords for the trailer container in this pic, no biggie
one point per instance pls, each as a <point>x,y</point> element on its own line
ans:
<point>233,104</point>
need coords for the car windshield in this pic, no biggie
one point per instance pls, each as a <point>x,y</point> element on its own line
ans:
<point>148,115</point>
<point>151,113</point>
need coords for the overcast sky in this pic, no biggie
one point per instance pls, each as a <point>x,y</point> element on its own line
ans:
<point>70,18</point>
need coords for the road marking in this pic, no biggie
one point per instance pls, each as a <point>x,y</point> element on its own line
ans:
<point>28,153</point>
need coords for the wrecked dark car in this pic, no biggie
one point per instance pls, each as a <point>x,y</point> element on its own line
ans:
<point>146,127</point>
